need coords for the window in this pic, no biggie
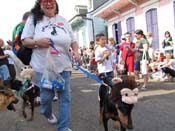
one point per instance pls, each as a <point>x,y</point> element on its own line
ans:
<point>174,11</point>
<point>152,26</point>
<point>130,24</point>
<point>117,32</point>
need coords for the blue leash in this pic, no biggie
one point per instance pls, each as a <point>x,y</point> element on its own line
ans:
<point>89,74</point>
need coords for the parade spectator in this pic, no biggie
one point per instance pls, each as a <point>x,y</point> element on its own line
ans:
<point>4,71</point>
<point>91,56</point>
<point>114,50</point>
<point>158,58</point>
<point>102,56</point>
<point>149,37</point>
<point>8,51</point>
<point>51,26</point>
<point>168,41</point>
<point>127,50</point>
<point>142,46</point>
<point>81,55</point>
<point>23,53</point>
<point>167,66</point>
<point>85,58</point>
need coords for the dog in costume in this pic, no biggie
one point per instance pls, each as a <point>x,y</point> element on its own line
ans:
<point>117,102</point>
<point>29,91</point>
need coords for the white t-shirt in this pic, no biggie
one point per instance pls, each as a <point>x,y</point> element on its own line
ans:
<point>106,66</point>
<point>57,29</point>
<point>172,61</point>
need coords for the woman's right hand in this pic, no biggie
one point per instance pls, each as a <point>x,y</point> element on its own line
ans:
<point>43,43</point>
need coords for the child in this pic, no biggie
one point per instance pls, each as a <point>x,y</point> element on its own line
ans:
<point>114,55</point>
<point>103,59</point>
<point>104,66</point>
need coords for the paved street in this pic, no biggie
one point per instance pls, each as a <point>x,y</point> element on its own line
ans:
<point>155,110</point>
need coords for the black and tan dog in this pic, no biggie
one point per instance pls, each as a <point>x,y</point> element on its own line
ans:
<point>7,97</point>
<point>27,89</point>
<point>117,102</point>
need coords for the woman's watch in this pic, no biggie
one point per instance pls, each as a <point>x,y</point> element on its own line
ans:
<point>35,45</point>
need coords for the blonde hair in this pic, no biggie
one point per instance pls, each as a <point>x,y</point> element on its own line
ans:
<point>111,40</point>
<point>149,34</point>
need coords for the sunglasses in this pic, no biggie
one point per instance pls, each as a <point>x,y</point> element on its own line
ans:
<point>46,1</point>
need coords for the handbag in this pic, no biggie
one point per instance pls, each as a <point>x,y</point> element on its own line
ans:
<point>144,64</point>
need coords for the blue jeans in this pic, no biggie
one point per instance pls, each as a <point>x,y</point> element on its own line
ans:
<point>64,99</point>
<point>137,66</point>
<point>4,72</point>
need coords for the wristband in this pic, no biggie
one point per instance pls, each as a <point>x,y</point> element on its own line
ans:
<point>35,45</point>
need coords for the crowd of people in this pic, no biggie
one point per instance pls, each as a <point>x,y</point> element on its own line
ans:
<point>137,57</point>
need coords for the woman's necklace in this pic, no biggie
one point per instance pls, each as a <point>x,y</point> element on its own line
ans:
<point>52,25</point>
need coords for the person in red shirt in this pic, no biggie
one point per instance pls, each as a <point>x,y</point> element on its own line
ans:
<point>127,53</point>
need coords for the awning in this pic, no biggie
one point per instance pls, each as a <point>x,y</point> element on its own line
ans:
<point>117,7</point>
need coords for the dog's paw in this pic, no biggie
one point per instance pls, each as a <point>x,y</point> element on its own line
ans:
<point>116,125</point>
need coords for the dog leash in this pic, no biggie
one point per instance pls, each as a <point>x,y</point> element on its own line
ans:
<point>55,50</point>
<point>89,74</point>
<point>93,77</point>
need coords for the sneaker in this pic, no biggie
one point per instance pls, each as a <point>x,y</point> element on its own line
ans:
<point>143,88</point>
<point>68,129</point>
<point>55,98</point>
<point>53,119</point>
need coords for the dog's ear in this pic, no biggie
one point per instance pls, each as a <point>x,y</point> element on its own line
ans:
<point>101,76</point>
<point>16,85</point>
<point>7,82</point>
<point>116,80</point>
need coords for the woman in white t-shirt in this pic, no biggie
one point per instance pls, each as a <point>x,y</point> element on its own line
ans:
<point>51,29</point>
